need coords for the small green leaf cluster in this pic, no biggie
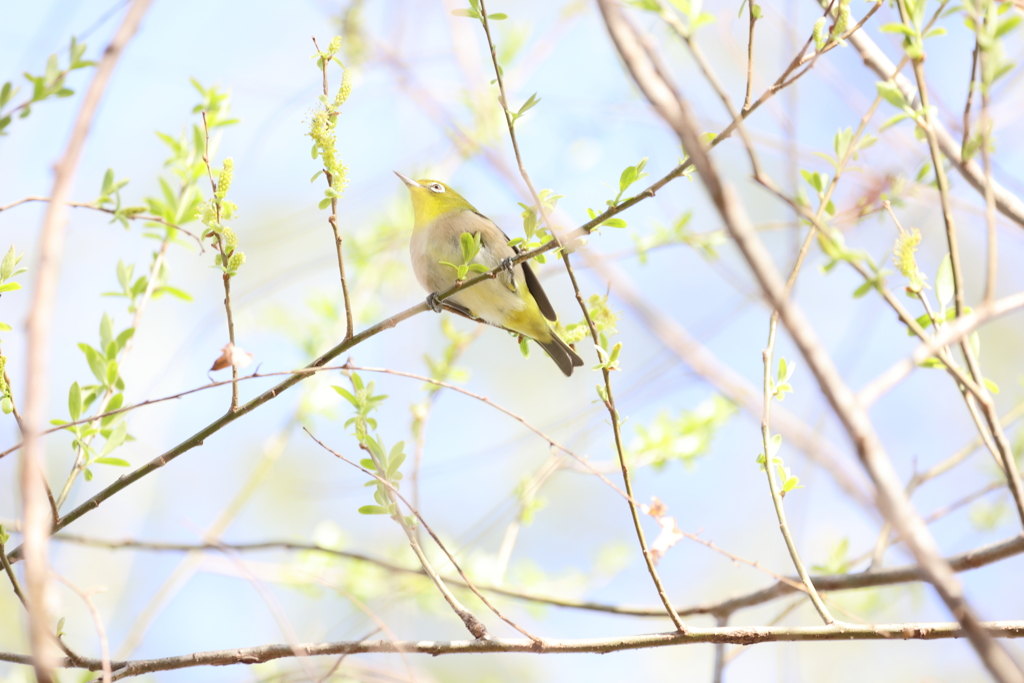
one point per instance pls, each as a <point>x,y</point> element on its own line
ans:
<point>323,124</point>
<point>536,235</point>
<point>987,20</point>
<point>780,385</point>
<point>819,182</point>
<point>8,270</point>
<point>474,12</point>
<point>913,29</point>
<point>838,560</point>
<point>180,200</point>
<point>833,244</point>
<point>103,362</point>
<point>364,401</point>
<point>527,106</point>
<point>133,288</point>
<point>110,193</point>
<point>470,244</point>
<point>386,465</point>
<point>786,480</point>
<point>49,84</point>
<point>755,9</point>
<point>683,438</point>
<point>891,93</point>
<point>706,243</point>
<point>691,10</point>
<point>601,313</point>
<point>113,428</point>
<point>629,175</point>
<point>845,148</point>
<point>604,319</point>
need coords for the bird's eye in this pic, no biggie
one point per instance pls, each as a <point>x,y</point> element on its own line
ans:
<point>437,187</point>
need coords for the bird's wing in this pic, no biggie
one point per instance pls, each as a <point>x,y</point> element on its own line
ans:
<point>532,281</point>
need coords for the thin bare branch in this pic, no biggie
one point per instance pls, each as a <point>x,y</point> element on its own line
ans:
<point>732,635</point>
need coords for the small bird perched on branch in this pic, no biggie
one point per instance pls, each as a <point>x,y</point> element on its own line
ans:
<point>451,239</point>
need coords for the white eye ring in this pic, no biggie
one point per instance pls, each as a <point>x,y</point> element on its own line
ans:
<point>437,187</point>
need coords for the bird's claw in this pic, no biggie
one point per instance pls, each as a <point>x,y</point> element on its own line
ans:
<point>433,303</point>
<point>506,264</point>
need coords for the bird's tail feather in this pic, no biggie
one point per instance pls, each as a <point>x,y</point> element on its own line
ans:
<point>565,358</point>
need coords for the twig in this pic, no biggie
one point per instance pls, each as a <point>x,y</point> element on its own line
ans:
<point>272,451</point>
<point>734,635</point>
<point>732,385</point>
<point>333,220</point>
<point>474,625</point>
<point>972,559</point>
<point>768,361</point>
<point>100,631</point>
<point>1005,451</point>
<point>9,570</point>
<point>883,542</point>
<point>750,65</point>
<point>582,230</point>
<point>609,399</point>
<point>90,205</point>
<point>40,321</point>
<point>225,276</point>
<point>951,333</point>
<point>892,500</point>
<point>82,448</point>
<point>1007,203</point>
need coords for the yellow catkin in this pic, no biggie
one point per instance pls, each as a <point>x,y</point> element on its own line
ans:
<point>906,263</point>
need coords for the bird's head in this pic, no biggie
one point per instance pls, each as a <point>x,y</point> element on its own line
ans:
<point>432,199</point>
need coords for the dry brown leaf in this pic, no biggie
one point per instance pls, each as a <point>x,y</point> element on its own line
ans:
<point>231,355</point>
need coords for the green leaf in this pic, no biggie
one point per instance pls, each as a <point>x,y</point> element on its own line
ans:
<point>891,94</point>
<point>9,287</point>
<point>106,331</point>
<point>898,28</point>
<point>117,462</point>
<point>4,327</point>
<point>374,509</point>
<point>614,223</point>
<point>347,396</point>
<point>472,14</point>
<point>990,385</point>
<point>75,402</point>
<point>7,265</point>
<point>497,16</point>
<point>97,363</point>
<point>529,104</point>
<point>863,289</point>
<point>116,438</point>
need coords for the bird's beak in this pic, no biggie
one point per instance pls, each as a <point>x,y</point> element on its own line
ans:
<point>408,181</point>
